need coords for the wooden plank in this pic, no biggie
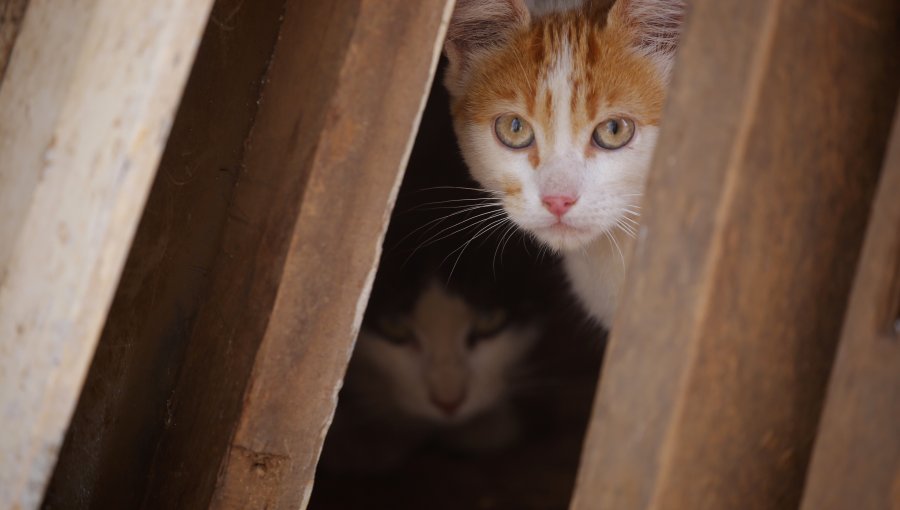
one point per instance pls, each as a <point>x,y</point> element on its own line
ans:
<point>754,213</point>
<point>11,14</point>
<point>123,411</point>
<point>85,108</point>
<point>856,462</point>
<point>256,392</point>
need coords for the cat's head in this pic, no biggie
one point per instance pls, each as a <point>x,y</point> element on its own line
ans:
<point>557,115</point>
<point>446,359</point>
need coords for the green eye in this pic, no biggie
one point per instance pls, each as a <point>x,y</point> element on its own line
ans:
<point>395,331</point>
<point>513,131</point>
<point>488,324</point>
<point>613,133</point>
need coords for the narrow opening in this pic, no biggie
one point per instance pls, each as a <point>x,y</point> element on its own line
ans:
<point>473,376</point>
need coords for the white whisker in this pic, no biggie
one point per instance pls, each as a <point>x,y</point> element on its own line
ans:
<point>433,223</point>
<point>462,248</point>
<point>616,244</point>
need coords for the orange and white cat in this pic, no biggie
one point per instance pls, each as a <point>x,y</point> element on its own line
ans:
<point>556,107</point>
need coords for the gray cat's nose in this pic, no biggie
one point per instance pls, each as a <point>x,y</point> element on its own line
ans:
<point>448,404</point>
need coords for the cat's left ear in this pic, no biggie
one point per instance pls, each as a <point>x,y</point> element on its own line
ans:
<point>653,25</point>
<point>477,26</point>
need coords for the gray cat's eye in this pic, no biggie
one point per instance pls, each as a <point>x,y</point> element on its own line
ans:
<point>613,133</point>
<point>513,131</point>
<point>395,331</point>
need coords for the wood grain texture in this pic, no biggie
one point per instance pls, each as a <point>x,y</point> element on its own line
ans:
<point>270,343</point>
<point>123,411</point>
<point>856,462</point>
<point>11,14</point>
<point>754,216</point>
<point>85,108</point>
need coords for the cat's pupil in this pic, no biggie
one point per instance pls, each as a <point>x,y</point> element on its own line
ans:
<point>613,127</point>
<point>516,125</point>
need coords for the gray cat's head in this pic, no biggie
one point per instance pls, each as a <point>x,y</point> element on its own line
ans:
<point>445,360</point>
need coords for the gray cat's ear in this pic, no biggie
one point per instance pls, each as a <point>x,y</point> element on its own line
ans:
<point>476,27</point>
<point>655,25</point>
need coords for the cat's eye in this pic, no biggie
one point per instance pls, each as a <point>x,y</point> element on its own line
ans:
<point>513,131</point>
<point>488,324</point>
<point>613,133</point>
<point>394,331</point>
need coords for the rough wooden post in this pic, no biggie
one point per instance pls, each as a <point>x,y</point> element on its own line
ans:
<point>757,201</point>
<point>269,346</point>
<point>85,108</point>
<point>856,462</point>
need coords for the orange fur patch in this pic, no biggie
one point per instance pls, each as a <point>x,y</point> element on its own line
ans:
<point>534,157</point>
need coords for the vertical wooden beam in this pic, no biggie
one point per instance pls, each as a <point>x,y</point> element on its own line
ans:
<point>342,99</point>
<point>85,108</point>
<point>754,214</point>
<point>123,411</point>
<point>856,462</point>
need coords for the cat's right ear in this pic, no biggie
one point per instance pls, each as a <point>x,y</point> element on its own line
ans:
<point>654,26</point>
<point>476,27</point>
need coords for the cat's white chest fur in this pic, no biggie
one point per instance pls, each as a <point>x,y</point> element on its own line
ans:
<point>597,274</point>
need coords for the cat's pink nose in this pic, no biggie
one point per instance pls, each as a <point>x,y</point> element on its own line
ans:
<point>448,405</point>
<point>558,205</point>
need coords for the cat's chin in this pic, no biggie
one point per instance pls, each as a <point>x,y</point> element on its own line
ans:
<point>564,238</point>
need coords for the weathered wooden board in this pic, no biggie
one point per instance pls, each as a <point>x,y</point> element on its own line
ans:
<point>85,108</point>
<point>754,216</point>
<point>856,462</point>
<point>271,340</point>
<point>123,411</point>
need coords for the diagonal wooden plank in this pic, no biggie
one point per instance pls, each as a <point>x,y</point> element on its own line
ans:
<point>338,111</point>
<point>755,209</point>
<point>85,108</point>
<point>123,409</point>
<point>856,462</point>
